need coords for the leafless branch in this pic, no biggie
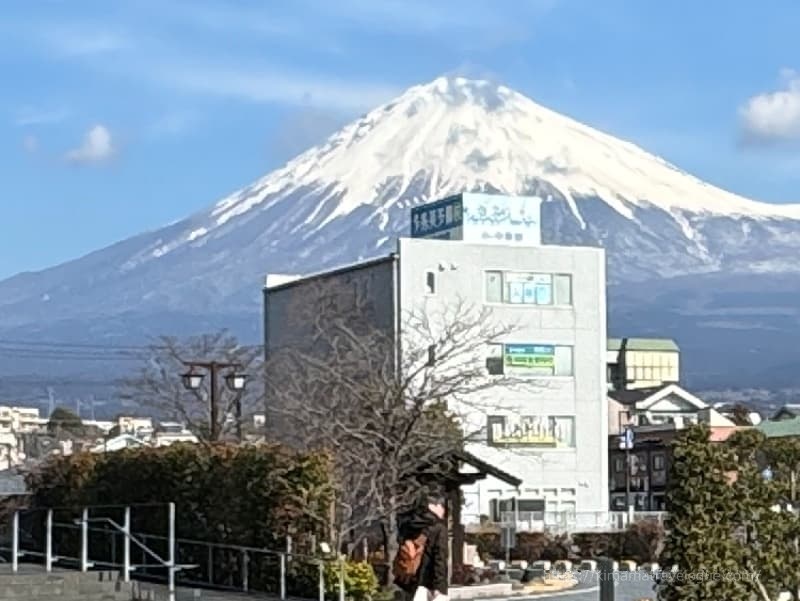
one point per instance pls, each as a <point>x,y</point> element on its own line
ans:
<point>158,386</point>
<point>390,424</point>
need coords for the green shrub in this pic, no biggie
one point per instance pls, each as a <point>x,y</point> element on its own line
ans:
<point>360,581</point>
<point>251,495</point>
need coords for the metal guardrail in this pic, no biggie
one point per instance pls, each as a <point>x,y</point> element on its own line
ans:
<point>569,521</point>
<point>243,564</point>
<point>85,563</point>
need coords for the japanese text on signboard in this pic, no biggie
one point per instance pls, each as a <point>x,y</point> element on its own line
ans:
<point>438,219</point>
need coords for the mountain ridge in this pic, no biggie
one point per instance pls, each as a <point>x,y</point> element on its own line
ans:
<point>349,197</point>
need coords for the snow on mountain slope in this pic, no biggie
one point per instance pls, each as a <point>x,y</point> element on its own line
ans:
<point>347,198</point>
<point>461,134</point>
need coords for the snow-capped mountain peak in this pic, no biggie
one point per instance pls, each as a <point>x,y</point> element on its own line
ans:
<point>347,198</point>
<point>468,132</point>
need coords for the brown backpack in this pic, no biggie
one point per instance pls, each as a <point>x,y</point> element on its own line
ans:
<point>408,559</point>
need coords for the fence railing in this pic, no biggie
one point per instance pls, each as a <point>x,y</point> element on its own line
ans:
<point>98,541</point>
<point>574,521</point>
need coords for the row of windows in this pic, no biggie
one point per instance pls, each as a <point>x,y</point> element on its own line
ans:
<point>526,288</point>
<point>661,374</point>
<point>658,460</point>
<point>520,288</point>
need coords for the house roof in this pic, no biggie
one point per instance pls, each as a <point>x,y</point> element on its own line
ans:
<point>714,418</point>
<point>776,429</point>
<point>634,395</point>
<point>644,344</point>
<point>123,441</point>
<point>788,408</point>
<point>723,433</point>
<point>282,281</point>
<point>645,398</point>
<point>487,469</point>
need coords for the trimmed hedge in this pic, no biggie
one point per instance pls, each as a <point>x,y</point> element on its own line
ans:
<point>251,496</point>
<point>248,495</point>
<point>641,542</point>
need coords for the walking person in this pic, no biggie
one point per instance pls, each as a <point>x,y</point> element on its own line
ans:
<point>421,565</point>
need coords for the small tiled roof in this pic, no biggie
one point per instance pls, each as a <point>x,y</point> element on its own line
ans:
<point>776,429</point>
<point>644,344</point>
<point>723,433</point>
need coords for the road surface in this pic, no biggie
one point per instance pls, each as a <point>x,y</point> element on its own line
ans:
<point>628,586</point>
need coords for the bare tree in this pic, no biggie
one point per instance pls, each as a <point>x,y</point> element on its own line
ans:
<point>389,411</point>
<point>158,384</point>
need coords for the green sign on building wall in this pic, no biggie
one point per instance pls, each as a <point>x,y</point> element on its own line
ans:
<point>529,355</point>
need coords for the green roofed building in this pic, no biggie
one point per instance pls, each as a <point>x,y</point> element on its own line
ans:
<point>780,428</point>
<point>635,363</point>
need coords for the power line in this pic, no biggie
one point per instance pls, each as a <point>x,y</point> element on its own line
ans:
<point>103,347</point>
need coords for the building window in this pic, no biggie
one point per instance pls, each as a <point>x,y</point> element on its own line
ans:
<point>494,287</point>
<point>530,359</point>
<point>526,288</point>
<point>532,431</point>
<point>430,282</point>
<point>619,465</point>
<point>658,462</point>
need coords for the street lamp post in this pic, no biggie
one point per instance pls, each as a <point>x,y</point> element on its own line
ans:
<point>235,381</point>
<point>626,443</point>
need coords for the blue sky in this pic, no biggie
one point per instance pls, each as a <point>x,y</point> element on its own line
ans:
<point>122,116</point>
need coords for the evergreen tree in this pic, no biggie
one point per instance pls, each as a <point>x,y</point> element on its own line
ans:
<point>64,420</point>
<point>702,523</point>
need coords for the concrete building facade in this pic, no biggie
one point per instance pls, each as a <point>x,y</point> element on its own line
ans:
<point>550,429</point>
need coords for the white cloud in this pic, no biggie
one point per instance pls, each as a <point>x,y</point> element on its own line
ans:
<point>32,116</point>
<point>258,85</point>
<point>96,147</point>
<point>774,116</point>
<point>30,144</point>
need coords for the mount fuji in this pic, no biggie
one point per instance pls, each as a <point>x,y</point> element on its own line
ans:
<point>688,260</point>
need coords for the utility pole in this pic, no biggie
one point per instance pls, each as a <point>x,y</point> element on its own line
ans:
<point>234,380</point>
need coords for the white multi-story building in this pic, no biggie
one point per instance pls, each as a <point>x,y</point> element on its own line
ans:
<point>22,420</point>
<point>549,427</point>
<point>137,426</point>
<point>15,422</point>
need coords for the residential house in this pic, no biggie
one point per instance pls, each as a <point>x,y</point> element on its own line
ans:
<point>650,459</point>
<point>138,426</point>
<point>118,443</point>
<point>169,433</point>
<point>660,405</point>
<point>740,413</point>
<point>15,424</point>
<point>21,420</point>
<point>780,428</point>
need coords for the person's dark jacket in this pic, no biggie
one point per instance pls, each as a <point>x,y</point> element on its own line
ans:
<point>432,572</point>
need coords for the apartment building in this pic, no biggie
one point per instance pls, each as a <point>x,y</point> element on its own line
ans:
<point>550,430</point>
